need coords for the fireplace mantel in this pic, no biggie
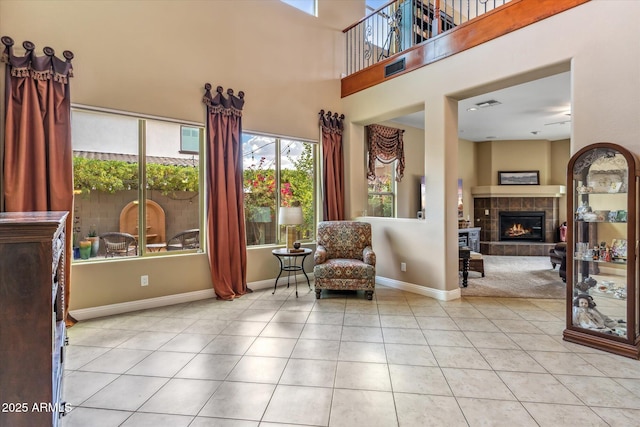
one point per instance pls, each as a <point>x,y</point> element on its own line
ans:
<point>519,191</point>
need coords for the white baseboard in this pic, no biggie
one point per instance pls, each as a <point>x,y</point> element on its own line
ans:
<point>145,304</point>
<point>127,307</point>
<point>420,290</point>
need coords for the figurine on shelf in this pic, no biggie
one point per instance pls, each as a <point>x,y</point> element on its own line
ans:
<point>586,315</point>
<point>582,209</point>
<point>586,284</point>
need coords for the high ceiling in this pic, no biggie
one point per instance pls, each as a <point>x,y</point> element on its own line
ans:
<point>540,109</point>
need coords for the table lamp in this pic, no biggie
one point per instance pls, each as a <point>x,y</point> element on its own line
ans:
<point>291,216</point>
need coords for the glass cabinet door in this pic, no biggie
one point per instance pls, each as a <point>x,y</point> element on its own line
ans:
<point>601,265</point>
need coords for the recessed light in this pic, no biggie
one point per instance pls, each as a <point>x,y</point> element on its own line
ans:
<point>535,132</point>
<point>491,137</point>
<point>472,109</point>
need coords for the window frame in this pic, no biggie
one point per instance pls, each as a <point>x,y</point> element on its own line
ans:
<point>142,134</point>
<point>200,137</point>
<point>277,164</point>
<point>394,188</point>
<point>306,9</point>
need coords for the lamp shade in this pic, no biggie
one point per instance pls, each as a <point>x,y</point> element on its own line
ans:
<point>291,215</point>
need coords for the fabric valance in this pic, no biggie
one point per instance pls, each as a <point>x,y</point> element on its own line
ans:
<point>232,105</point>
<point>385,144</point>
<point>37,67</point>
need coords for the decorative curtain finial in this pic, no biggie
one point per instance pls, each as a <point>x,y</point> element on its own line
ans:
<point>331,122</point>
<point>219,104</point>
<point>29,65</point>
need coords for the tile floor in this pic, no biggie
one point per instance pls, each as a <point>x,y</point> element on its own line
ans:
<point>399,360</point>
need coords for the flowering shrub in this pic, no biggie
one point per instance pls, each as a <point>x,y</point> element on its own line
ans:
<point>260,188</point>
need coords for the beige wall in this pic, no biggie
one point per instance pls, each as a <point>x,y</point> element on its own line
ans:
<point>514,156</point>
<point>602,110</point>
<point>154,57</point>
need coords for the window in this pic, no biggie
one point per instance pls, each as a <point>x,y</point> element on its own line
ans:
<point>307,6</point>
<point>277,172</point>
<point>381,190</point>
<point>190,139</point>
<point>121,159</point>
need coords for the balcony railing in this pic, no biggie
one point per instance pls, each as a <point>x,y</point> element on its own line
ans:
<point>402,24</point>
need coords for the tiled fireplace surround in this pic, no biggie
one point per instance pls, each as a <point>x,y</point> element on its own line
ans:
<point>490,243</point>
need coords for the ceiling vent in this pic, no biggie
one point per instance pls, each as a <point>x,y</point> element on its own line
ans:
<point>489,103</point>
<point>394,68</point>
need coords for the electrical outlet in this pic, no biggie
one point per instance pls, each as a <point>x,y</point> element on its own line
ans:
<point>403,266</point>
<point>486,211</point>
<point>144,280</point>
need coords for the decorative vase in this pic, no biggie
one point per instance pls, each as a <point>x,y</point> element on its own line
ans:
<point>85,249</point>
<point>95,245</point>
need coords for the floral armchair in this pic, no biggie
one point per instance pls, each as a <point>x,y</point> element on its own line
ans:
<point>344,259</point>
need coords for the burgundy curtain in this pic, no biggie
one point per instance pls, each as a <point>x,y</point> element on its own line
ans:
<point>332,166</point>
<point>226,235</point>
<point>385,144</point>
<point>38,163</point>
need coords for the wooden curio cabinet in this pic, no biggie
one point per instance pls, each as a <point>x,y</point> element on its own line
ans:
<point>32,325</point>
<point>602,243</point>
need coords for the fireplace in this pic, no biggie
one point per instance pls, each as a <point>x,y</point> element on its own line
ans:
<point>522,226</point>
<point>487,212</point>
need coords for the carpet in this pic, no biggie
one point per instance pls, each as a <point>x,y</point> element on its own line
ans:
<point>516,277</point>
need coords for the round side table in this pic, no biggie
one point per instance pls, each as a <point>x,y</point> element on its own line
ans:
<point>288,263</point>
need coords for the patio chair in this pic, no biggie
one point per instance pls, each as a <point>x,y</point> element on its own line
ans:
<point>119,244</point>
<point>187,239</point>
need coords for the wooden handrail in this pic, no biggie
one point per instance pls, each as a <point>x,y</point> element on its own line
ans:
<point>367,17</point>
<point>510,17</point>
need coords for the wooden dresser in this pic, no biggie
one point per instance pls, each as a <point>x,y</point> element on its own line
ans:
<point>32,327</point>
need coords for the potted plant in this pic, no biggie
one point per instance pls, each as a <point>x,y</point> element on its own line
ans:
<point>94,239</point>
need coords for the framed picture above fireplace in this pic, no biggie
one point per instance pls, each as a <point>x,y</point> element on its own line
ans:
<point>519,177</point>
